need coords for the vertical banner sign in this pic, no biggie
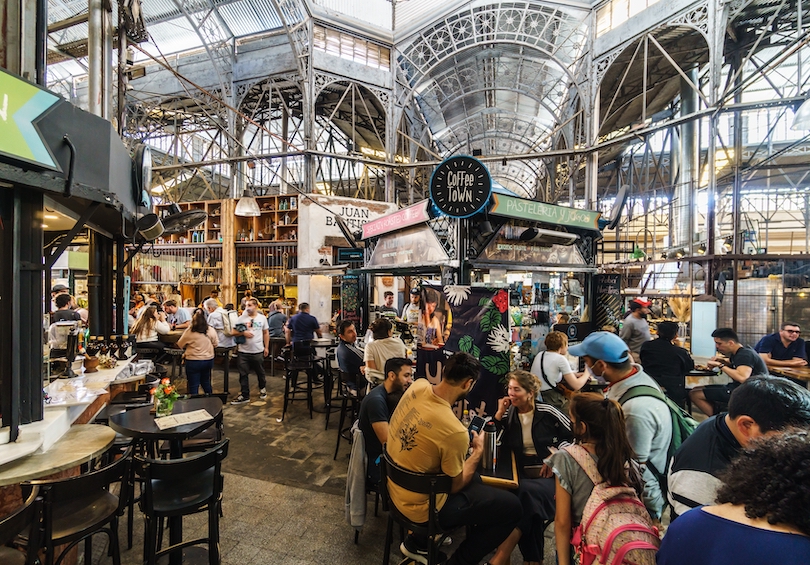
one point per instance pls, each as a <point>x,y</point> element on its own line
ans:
<point>127,291</point>
<point>479,325</point>
<point>350,299</point>
<point>608,300</point>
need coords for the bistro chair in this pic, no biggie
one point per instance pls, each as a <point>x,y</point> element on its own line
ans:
<point>175,488</point>
<point>422,483</point>
<point>75,508</point>
<point>24,520</point>
<point>352,390</point>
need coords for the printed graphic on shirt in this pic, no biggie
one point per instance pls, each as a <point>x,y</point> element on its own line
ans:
<point>407,437</point>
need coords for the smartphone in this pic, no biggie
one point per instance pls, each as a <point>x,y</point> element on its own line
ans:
<point>476,425</point>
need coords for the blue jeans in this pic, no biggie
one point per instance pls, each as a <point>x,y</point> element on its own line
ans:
<point>198,373</point>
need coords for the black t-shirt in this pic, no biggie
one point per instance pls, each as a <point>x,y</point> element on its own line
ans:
<point>662,358</point>
<point>373,409</point>
<point>747,357</point>
<point>66,316</point>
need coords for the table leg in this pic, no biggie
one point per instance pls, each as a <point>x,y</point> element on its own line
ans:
<point>176,522</point>
<point>227,369</point>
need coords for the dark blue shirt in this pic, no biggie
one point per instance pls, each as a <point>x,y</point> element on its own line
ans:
<point>303,325</point>
<point>773,344</point>
<point>700,538</point>
<point>349,357</point>
<point>373,409</point>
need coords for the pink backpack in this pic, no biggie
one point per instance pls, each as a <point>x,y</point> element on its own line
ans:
<point>616,528</point>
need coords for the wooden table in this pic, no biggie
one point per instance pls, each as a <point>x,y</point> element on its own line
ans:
<point>172,337</point>
<point>801,373</point>
<point>505,474</point>
<point>81,443</point>
<point>140,423</point>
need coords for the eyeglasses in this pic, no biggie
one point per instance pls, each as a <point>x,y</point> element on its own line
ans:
<point>794,331</point>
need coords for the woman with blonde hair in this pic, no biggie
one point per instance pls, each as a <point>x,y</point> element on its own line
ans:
<point>531,430</point>
<point>552,367</point>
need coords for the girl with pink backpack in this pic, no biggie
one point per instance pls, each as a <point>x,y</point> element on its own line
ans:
<point>598,484</point>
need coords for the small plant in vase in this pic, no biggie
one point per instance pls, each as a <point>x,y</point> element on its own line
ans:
<point>165,396</point>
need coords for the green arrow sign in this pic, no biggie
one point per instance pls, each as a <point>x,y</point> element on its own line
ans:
<point>21,104</point>
<point>532,210</point>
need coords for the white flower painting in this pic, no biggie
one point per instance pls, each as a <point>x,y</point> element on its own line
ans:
<point>456,294</point>
<point>499,339</point>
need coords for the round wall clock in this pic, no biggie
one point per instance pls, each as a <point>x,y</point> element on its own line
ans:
<point>460,186</point>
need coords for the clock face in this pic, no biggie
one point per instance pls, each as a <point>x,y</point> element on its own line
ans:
<point>460,186</point>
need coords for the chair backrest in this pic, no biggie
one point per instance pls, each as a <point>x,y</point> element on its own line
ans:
<point>302,350</point>
<point>355,381</point>
<point>179,470</point>
<point>28,515</point>
<point>62,491</point>
<point>431,484</point>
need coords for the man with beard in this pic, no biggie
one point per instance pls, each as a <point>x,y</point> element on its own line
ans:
<point>376,409</point>
<point>635,329</point>
<point>425,436</point>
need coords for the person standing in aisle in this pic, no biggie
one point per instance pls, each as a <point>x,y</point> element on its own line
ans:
<point>216,320</point>
<point>253,350</point>
<point>635,329</point>
<point>199,341</point>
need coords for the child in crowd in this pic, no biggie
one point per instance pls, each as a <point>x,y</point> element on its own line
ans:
<point>598,426</point>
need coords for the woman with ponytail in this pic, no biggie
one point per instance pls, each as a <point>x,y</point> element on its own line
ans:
<point>598,426</point>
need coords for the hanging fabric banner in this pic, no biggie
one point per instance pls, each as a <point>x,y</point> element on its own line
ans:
<point>474,320</point>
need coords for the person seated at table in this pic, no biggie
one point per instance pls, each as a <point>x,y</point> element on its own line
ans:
<point>383,348</point>
<point>784,349</point>
<point>759,406</point>
<point>761,513</point>
<point>349,355</point>
<point>138,307</point>
<point>149,327</point>
<point>552,367</point>
<point>599,428</point>
<point>64,312</point>
<point>737,361</point>
<point>199,341</point>
<point>178,318</point>
<point>668,363</point>
<point>529,430</point>
<point>217,321</point>
<point>376,409</point>
<point>425,436</point>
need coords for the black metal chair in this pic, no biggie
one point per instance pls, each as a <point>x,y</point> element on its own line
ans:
<point>352,389</point>
<point>139,396</point>
<point>75,508</point>
<point>175,488</point>
<point>25,520</point>
<point>302,358</point>
<point>423,483</point>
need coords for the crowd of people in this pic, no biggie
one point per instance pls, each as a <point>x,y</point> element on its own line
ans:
<point>727,491</point>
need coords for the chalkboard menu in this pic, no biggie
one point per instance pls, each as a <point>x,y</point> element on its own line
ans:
<point>608,300</point>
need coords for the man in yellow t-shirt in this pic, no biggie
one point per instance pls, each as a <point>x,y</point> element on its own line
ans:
<point>425,436</point>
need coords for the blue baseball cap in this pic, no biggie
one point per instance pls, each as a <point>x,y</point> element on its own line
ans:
<point>604,346</point>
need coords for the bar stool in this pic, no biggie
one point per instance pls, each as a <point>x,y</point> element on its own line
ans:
<point>302,358</point>
<point>23,520</point>
<point>352,390</point>
<point>225,354</point>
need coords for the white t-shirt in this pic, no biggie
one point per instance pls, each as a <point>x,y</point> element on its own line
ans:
<point>555,366</point>
<point>215,321</point>
<point>526,429</point>
<point>257,325</point>
<point>380,351</point>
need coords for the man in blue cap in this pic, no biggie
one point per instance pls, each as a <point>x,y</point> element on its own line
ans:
<point>649,424</point>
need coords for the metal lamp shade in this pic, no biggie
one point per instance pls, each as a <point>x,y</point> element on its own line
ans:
<point>150,227</point>
<point>247,206</point>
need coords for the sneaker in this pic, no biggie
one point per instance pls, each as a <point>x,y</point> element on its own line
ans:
<point>263,393</point>
<point>240,400</point>
<point>410,549</point>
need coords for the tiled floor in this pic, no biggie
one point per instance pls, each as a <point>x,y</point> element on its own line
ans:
<point>284,495</point>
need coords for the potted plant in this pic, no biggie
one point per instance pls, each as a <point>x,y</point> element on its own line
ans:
<point>165,396</point>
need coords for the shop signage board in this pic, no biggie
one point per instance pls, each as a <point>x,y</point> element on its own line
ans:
<point>460,186</point>
<point>523,209</point>
<point>415,246</point>
<point>348,254</point>
<point>22,105</point>
<point>410,216</point>
<point>608,300</point>
<point>504,250</point>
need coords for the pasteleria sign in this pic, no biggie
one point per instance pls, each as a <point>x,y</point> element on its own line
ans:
<point>522,209</point>
<point>460,186</point>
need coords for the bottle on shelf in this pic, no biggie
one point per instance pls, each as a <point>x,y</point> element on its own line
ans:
<point>251,234</point>
<point>293,203</point>
<point>286,219</point>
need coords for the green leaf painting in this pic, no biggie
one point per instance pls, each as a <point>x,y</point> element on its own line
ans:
<point>490,319</point>
<point>496,364</point>
<point>465,344</point>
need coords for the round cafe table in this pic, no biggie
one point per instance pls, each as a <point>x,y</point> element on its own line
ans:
<point>140,423</point>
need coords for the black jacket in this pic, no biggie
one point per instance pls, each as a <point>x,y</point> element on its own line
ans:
<point>550,427</point>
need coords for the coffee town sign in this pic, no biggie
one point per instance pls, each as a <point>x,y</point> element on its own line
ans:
<point>460,186</point>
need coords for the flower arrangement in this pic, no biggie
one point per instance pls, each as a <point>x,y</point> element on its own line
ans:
<point>165,396</point>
